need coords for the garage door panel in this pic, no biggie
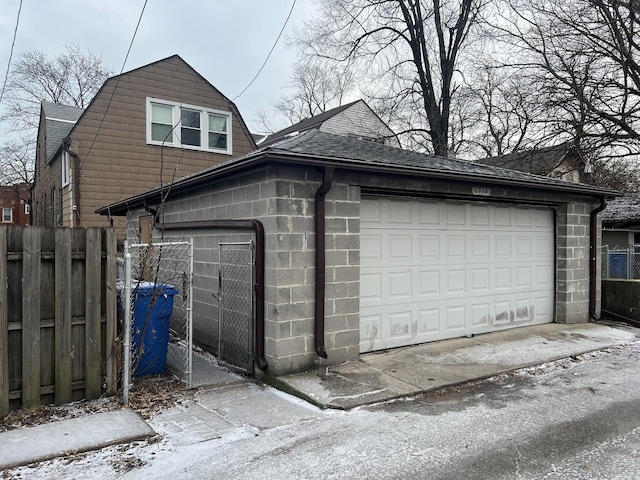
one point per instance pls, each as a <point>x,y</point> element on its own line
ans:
<point>456,247</point>
<point>480,280</point>
<point>400,212</point>
<point>455,281</point>
<point>429,283</point>
<point>399,248</point>
<point>481,247</point>
<point>429,322</point>
<point>442,270</point>
<point>479,216</point>
<point>370,287</point>
<point>400,286</point>
<point>524,277</point>
<point>454,213</point>
<point>429,213</point>
<point>480,315</point>
<point>454,318</point>
<point>429,247</point>
<point>370,248</point>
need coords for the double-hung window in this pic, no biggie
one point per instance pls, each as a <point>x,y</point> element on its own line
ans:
<point>64,164</point>
<point>7,215</point>
<point>188,126</point>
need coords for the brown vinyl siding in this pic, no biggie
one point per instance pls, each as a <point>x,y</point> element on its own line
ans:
<point>117,162</point>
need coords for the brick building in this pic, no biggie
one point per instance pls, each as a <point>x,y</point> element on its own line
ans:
<point>15,203</point>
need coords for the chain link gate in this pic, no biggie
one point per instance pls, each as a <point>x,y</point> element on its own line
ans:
<point>161,280</point>
<point>236,316</point>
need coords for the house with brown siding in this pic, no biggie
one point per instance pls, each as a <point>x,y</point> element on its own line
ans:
<point>143,129</point>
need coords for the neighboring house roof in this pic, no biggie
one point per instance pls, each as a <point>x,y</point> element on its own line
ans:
<point>59,120</point>
<point>358,127</point>
<point>540,161</point>
<point>321,149</point>
<point>622,211</point>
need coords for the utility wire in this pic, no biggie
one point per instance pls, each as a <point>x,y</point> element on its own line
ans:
<point>116,85</point>
<point>270,52</point>
<point>15,33</point>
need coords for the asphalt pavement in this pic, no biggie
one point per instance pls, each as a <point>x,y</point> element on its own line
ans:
<point>228,405</point>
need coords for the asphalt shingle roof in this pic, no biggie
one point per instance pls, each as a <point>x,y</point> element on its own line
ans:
<point>59,120</point>
<point>325,144</point>
<point>622,211</point>
<point>304,125</point>
<point>320,148</point>
<point>540,161</point>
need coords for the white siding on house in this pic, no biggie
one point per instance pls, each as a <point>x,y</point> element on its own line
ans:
<point>360,121</point>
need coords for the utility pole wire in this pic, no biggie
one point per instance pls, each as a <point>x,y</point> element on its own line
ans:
<point>270,52</point>
<point>15,33</point>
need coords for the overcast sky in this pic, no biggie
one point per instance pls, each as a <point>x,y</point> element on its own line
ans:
<point>226,41</point>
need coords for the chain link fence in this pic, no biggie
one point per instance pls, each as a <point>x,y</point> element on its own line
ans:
<point>160,278</point>
<point>235,336</point>
<point>621,262</point>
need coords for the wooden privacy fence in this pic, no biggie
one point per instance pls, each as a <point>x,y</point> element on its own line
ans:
<point>57,315</point>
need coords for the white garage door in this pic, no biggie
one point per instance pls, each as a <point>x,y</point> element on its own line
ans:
<point>432,269</point>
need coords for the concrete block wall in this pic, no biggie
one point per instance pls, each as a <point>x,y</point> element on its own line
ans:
<point>572,262</point>
<point>290,275</point>
<point>284,201</point>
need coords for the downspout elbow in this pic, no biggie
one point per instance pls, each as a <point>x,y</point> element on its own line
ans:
<point>320,260</point>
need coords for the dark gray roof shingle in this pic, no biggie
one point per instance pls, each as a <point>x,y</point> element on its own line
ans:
<point>59,120</point>
<point>320,148</point>
<point>540,161</point>
<point>622,211</point>
<point>325,144</point>
<point>304,125</point>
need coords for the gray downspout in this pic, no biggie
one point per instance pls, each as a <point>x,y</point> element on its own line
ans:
<point>318,331</point>
<point>595,255</point>
<point>76,179</point>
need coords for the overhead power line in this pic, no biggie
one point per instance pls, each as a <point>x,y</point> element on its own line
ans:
<point>13,43</point>
<point>270,52</point>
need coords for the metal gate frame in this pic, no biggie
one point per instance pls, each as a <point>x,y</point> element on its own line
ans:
<point>235,313</point>
<point>185,279</point>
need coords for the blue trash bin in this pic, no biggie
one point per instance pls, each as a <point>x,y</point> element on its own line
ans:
<point>152,308</point>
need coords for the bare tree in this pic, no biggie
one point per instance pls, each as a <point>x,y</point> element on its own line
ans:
<point>71,78</point>
<point>411,51</point>
<point>315,86</point>
<point>582,59</point>
<point>16,163</point>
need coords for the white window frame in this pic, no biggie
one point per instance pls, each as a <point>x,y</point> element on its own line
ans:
<point>4,211</point>
<point>64,165</point>
<point>204,126</point>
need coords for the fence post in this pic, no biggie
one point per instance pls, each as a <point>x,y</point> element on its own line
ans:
<point>93,318</point>
<point>126,343</point>
<point>4,327</point>
<point>31,317</point>
<point>111,300</point>
<point>605,272</point>
<point>62,328</point>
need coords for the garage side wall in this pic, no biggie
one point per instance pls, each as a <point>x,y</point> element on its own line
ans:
<point>573,253</point>
<point>283,200</point>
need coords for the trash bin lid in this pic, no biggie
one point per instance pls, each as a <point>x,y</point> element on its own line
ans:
<point>146,289</point>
